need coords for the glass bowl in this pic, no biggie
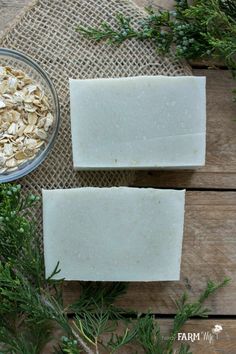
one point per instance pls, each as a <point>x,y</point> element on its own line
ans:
<point>20,61</point>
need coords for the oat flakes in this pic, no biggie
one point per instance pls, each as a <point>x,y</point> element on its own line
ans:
<point>25,118</point>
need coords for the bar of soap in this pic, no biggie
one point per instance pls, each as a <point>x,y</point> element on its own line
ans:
<point>113,234</point>
<point>138,122</point>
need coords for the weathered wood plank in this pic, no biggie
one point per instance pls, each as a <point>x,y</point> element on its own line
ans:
<point>209,251</point>
<point>165,4</point>
<point>200,331</point>
<point>220,169</point>
<point>9,9</point>
<point>209,244</point>
<point>226,342</point>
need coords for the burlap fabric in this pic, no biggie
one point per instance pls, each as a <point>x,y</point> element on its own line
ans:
<point>46,32</point>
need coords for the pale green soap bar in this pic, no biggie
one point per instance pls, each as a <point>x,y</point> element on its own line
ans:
<point>138,122</point>
<point>114,234</point>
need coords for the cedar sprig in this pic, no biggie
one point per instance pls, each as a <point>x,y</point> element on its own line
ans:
<point>194,29</point>
<point>111,35</point>
<point>149,331</point>
<point>117,341</point>
<point>97,294</point>
<point>199,29</point>
<point>187,310</point>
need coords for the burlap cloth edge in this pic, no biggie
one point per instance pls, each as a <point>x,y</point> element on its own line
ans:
<point>27,8</point>
<point>17,18</point>
<point>33,182</point>
<point>33,3</point>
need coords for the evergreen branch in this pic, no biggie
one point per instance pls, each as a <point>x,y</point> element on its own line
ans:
<point>149,335</point>
<point>203,29</point>
<point>118,341</point>
<point>93,325</point>
<point>106,32</point>
<point>18,235</point>
<point>96,294</point>
<point>184,349</point>
<point>229,7</point>
<point>31,306</point>
<point>196,309</point>
<point>211,289</point>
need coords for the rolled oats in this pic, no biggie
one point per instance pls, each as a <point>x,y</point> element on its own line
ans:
<point>25,118</point>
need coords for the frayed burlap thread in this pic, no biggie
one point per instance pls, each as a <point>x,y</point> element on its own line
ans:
<point>46,32</point>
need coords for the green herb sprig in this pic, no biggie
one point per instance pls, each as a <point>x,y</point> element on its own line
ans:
<point>31,307</point>
<point>203,29</point>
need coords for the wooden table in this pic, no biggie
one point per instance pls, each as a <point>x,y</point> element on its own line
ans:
<point>209,249</point>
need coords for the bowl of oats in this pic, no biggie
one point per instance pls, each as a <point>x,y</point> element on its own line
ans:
<point>29,115</point>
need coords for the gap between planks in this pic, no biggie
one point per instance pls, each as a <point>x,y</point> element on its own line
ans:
<point>209,252</point>
<point>202,344</point>
<point>220,169</point>
<point>223,178</point>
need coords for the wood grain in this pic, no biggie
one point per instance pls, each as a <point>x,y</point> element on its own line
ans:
<point>224,344</point>
<point>9,9</point>
<point>165,4</point>
<point>220,169</point>
<point>209,251</point>
<point>219,173</point>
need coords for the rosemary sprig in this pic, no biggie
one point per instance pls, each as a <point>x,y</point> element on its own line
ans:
<point>31,306</point>
<point>201,29</point>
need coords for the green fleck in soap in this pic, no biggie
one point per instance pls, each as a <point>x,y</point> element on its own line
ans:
<point>114,234</point>
<point>138,122</point>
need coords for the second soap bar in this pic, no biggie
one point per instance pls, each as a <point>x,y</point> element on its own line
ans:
<point>113,234</point>
<point>138,122</point>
